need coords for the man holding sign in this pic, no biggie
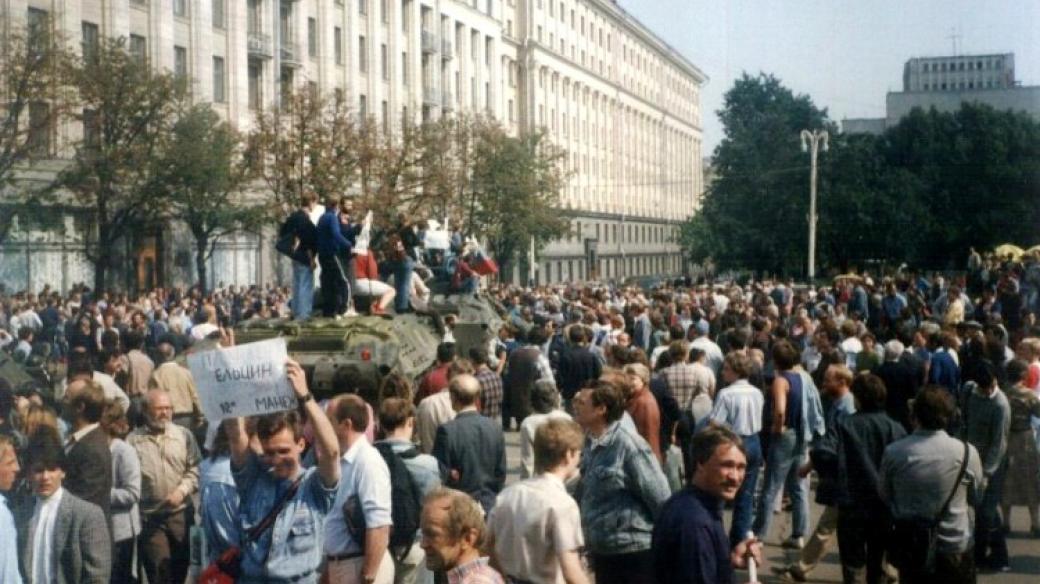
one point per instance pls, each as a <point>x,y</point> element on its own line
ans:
<point>290,551</point>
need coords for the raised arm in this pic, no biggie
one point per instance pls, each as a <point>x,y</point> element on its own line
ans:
<point>325,440</point>
<point>238,441</point>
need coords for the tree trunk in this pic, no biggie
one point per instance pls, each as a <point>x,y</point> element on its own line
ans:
<point>201,245</point>
<point>103,258</point>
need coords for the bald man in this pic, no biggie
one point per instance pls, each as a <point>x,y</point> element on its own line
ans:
<point>470,449</point>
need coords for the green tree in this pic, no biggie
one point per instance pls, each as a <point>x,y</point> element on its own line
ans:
<point>980,174</point>
<point>31,103</point>
<point>514,191</point>
<point>309,142</point>
<point>869,212</point>
<point>754,214</point>
<point>127,111</point>
<point>202,177</point>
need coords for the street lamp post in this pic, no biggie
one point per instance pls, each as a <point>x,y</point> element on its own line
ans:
<point>811,142</point>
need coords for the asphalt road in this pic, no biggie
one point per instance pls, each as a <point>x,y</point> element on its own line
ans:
<point>1025,552</point>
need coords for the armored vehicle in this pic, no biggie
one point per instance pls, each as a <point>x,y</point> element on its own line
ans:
<point>373,346</point>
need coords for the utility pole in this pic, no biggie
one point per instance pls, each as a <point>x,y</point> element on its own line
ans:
<point>811,143</point>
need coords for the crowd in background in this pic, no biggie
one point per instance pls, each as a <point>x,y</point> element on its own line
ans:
<point>640,413</point>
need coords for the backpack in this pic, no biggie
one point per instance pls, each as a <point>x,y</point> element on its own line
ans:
<point>405,500</point>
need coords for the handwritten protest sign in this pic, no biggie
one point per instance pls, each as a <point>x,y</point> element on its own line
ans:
<point>246,380</point>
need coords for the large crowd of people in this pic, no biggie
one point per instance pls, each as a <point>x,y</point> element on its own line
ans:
<point>641,414</point>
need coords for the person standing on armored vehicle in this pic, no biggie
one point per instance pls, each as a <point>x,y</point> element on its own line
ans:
<point>334,242</point>
<point>304,251</point>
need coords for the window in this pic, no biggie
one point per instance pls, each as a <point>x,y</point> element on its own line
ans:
<point>90,40</point>
<point>218,14</point>
<point>362,7</point>
<point>363,106</point>
<point>385,114</point>
<point>39,138</point>
<point>384,61</point>
<point>363,54</point>
<point>219,76</point>
<point>91,131</point>
<point>180,63</point>
<point>312,37</point>
<point>139,49</point>
<point>39,30</point>
<point>405,4</point>
<point>488,51</point>
<point>255,79</point>
<point>337,40</point>
<point>384,11</point>
<point>253,17</point>
<point>180,7</point>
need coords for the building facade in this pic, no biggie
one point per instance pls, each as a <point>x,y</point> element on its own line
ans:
<point>621,102</point>
<point>959,73</point>
<point>945,83</point>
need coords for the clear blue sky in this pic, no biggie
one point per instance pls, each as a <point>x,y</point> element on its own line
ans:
<point>846,54</point>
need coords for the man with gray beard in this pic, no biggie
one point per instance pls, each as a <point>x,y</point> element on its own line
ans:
<point>169,477</point>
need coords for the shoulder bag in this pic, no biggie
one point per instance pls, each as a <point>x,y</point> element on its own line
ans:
<point>914,540</point>
<point>225,569</point>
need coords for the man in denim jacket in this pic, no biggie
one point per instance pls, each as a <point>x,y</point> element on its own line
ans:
<point>291,550</point>
<point>621,490</point>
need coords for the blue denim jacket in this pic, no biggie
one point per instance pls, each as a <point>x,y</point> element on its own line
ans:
<point>218,501</point>
<point>621,490</point>
<point>293,547</point>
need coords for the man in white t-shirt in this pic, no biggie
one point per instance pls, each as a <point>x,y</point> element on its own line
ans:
<point>534,529</point>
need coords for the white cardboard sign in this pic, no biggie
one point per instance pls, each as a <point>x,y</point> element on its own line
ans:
<point>245,380</point>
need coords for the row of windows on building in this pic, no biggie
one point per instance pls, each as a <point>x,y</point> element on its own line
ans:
<point>977,65</point>
<point>616,267</point>
<point>634,233</point>
<point>987,84</point>
<point>638,58</point>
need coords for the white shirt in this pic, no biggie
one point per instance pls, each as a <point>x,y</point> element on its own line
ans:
<point>42,530</point>
<point>534,522</point>
<point>739,406</point>
<point>528,427</point>
<point>203,330</point>
<point>433,411</point>
<point>364,476</point>
<point>110,388</point>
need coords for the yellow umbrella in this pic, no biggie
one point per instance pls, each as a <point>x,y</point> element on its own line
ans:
<point>1008,249</point>
<point>850,276</point>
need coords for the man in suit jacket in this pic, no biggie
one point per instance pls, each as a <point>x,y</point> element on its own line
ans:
<point>88,468</point>
<point>471,449</point>
<point>65,539</point>
<point>577,364</point>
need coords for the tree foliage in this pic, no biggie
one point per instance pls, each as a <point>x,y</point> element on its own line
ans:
<point>309,142</point>
<point>203,179</point>
<point>922,193</point>
<point>32,100</point>
<point>514,190</point>
<point>127,111</point>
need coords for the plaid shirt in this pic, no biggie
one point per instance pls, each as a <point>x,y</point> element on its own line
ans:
<point>476,572</point>
<point>686,381</point>
<point>490,393</point>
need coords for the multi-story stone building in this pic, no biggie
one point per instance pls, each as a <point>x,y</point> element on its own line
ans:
<point>623,104</point>
<point>945,83</point>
